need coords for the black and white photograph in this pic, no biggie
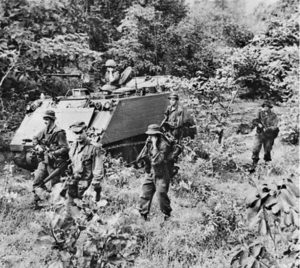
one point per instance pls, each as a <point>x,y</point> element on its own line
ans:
<point>149,134</point>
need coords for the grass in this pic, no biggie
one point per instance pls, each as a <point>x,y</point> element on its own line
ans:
<point>208,206</point>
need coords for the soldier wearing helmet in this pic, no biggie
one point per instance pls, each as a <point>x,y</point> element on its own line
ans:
<point>158,149</point>
<point>112,76</point>
<point>266,132</point>
<point>52,147</point>
<point>173,122</point>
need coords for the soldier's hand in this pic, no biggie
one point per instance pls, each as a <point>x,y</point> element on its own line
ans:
<point>260,125</point>
<point>76,177</point>
<point>39,148</point>
<point>90,193</point>
<point>96,184</point>
<point>148,140</point>
<point>154,140</point>
<point>50,155</point>
<point>34,142</point>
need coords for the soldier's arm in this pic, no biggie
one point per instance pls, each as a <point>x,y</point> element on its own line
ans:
<point>256,121</point>
<point>179,118</point>
<point>116,77</point>
<point>166,113</point>
<point>62,144</point>
<point>98,167</point>
<point>38,138</point>
<point>161,154</point>
<point>275,121</point>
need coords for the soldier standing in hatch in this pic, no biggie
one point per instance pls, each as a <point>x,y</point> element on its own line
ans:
<point>266,132</point>
<point>158,179</point>
<point>111,77</point>
<point>87,164</point>
<point>51,144</point>
<point>173,121</point>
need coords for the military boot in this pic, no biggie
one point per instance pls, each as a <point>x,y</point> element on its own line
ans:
<point>36,202</point>
<point>145,217</point>
<point>98,194</point>
<point>253,166</point>
<point>167,217</point>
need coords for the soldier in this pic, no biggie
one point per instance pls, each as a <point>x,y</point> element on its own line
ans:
<point>52,147</point>
<point>87,164</point>
<point>266,132</point>
<point>158,179</point>
<point>111,77</point>
<point>173,122</point>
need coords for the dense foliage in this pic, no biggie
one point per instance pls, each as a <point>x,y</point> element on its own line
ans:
<point>267,67</point>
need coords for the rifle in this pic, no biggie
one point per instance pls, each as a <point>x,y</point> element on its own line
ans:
<point>271,133</point>
<point>164,121</point>
<point>55,173</point>
<point>141,155</point>
<point>255,123</point>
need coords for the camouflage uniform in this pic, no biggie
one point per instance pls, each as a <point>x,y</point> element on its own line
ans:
<point>265,136</point>
<point>158,179</point>
<point>55,140</point>
<point>87,166</point>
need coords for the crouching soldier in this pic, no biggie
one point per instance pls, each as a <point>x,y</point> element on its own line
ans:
<point>158,178</point>
<point>266,132</point>
<point>52,150</point>
<point>87,164</point>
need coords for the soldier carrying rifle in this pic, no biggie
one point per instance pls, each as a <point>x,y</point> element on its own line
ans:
<point>87,161</point>
<point>266,132</point>
<point>156,151</point>
<point>173,122</point>
<point>52,149</point>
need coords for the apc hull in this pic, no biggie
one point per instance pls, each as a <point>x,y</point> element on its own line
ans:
<point>124,124</point>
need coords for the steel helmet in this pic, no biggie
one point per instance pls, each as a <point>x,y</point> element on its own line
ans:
<point>110,63</point>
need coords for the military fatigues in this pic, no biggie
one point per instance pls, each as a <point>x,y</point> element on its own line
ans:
<point>55,140</point>
<point>158,180</point>
<point>174,118</point>
<point>87,165</point>
<point>265,137</point>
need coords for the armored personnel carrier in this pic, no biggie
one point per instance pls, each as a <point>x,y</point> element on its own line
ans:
<point>117,120</point>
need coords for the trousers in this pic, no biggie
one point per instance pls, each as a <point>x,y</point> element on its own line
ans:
<point>42,172</point>
<point>153,184</point>
<point>262,141</point>
<point>78,188</point>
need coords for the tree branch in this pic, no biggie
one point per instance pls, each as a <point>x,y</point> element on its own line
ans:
<point>4,77</point>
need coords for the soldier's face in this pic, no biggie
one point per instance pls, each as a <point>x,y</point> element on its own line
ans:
<point>266,108</point>
<point>173,102</point>
<point>48,122</point>
<point>153,138</point>
<point>80,136</point>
